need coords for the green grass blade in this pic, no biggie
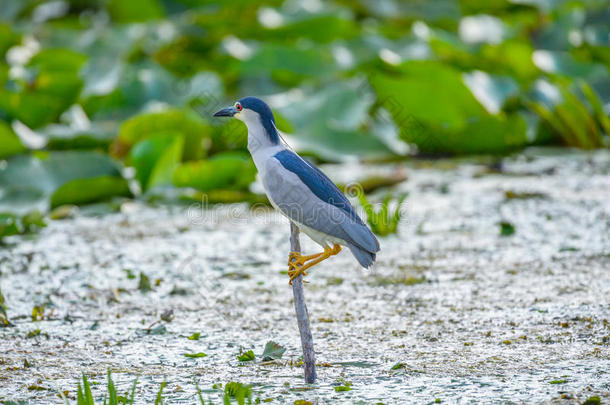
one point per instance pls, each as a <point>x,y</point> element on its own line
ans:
<point>159,398</point>
<point>597,107</point>
<point>87,391</point>
<point>133,391</point>
<point>112,399</point>
<point>80,397</point>
<point>199,393</point>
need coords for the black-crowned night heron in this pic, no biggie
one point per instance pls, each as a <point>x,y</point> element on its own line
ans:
<point>301,192</point>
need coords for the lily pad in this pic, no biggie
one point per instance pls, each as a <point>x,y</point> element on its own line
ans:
<point>48,179</point>
<point>229,170</point>
<point>273,351</point>
<point>186,123</point>
<point>329,123</point>
<point>436,111</point>
<point>9,141</point>
<point>156,158</point>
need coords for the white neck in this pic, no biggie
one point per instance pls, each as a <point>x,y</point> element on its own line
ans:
<point>259,143</point>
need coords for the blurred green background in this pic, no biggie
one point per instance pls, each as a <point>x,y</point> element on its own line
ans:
<point>112,98</point>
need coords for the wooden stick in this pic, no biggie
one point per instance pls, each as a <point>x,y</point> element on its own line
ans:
<point>309,356</point>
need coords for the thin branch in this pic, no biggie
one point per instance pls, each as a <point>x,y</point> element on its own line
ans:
<point>309,356</point>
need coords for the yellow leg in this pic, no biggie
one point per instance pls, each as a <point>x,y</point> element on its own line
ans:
<point>299,267</point>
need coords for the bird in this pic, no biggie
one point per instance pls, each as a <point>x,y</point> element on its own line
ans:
<point>302,192</point>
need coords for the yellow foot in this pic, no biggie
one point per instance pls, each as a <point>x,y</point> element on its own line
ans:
<point>295,272</point>
<point>297,259</point>
<point>297,263</point>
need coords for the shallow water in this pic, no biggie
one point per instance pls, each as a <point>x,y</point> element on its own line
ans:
<point>472,315</point>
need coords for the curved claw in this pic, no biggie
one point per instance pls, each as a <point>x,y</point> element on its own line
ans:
<point>297,263</point>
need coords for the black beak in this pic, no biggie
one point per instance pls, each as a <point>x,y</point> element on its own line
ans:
<point>226,112</point>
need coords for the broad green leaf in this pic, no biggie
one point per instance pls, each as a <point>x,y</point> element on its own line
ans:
<point>39,180</point>
<point>58,60</point>
<point>328,122</point>
<point>63,137</point>
<point>84,191</point>
<point>428,92</point>
<point>163,171</point>
<point>318,28</point>
<point>186,123</point>
<point>273,351</point>
<point>8,38</point>
<point>275,59</point>
<point>435,110</point>
<point>10,144</point>
<point>225,170</point>
<point>135,10</point>
<point>56,86</point>
<point>155,159</point>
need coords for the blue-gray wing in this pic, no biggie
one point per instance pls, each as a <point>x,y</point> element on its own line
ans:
<point>304,194</point>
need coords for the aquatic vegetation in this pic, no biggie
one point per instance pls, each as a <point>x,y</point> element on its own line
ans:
<point>239,391</point>
<point>579,119</point>
<point>273,351</point>
<point>84,395</point>
<point>3,316</point>
<point>246,356</point>
<point>506,228</point>
<point>383,221</point>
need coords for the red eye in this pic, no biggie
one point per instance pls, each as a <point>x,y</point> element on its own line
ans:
<point>238,106</point>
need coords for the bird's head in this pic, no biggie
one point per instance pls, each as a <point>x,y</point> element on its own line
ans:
<point>253,112</point>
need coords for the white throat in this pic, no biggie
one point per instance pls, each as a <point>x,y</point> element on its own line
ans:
<point>259,144</point>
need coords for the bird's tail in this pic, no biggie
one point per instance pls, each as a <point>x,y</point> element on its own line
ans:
<point>364,257</point>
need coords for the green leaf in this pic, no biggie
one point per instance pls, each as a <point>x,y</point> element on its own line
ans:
<point>186,123</point>
<point>156,158</point>
<point>56,86</point>
<point>299,62</point>
<point>398,366</point>
<point>272,351</point>
<point>132,396</point>
<point>144,284</point>
<point>195,355</point>
<point>112,396</point>
<point>10,144</point>
<point>247,356</point>
<point>62,137</point>
<point>84,191</point>
<point>435,110</point>
<point>238,391</point>
<point>159,397</point>
<point>318,28</point>
<point>135,10</point>
<point>430,92</point>
<point>226,170</point>
<point>3,315</point>
<point>163,171</point>
<point>194,336</point>
<point>88,397</point>
<point>329,122</point>
<point>594,400</point>
<point>9,225</point>
<point>8,38</point>
<point>42,180</point>
<point>506,228</point>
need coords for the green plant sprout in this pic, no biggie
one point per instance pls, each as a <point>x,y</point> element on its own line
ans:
<point>241,393</point>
